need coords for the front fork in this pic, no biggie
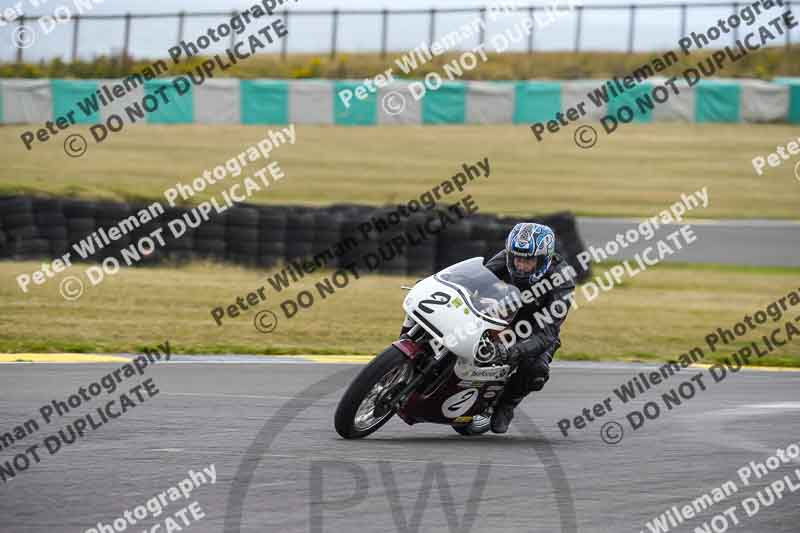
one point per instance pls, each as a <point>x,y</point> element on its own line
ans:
<point>395,400</point>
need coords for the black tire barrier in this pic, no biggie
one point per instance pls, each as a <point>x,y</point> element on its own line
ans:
<point>84,226</point>
<point>209,248</point>
<point>53,233</point>
<point>250,248</point>
<point>41,206</point>
<point>242,233</point>
<point>272,227</point>
<point>15,205</point>
<point>298,250</point>
<point>266,236</point>
<point>243,216</point>
<point>49,219</point>
<point>18,220</point>
<point>78,209</point>
<point>211,230</point>
<point>272,249</point>
<point>58,247</point>
<point>300,227</point>
<point>21,232</point>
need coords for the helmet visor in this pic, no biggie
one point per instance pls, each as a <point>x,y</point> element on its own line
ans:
<point>524,266</point>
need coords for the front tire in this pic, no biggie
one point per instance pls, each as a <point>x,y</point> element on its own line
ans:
<point>357,414</point>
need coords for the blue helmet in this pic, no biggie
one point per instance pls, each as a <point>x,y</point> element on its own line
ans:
<point>536,242</point>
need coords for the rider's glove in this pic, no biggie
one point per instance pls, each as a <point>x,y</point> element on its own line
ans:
<point>503,352</point>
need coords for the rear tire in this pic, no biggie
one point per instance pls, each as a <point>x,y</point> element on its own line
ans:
<point>390,365</point>
<point>479,425</point>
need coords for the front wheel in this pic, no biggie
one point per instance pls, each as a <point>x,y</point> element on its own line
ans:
<point>360,412</point>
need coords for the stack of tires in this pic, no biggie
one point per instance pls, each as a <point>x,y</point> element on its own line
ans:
<point>5,250</point>
<point>366,245</point>
<point>494,234</point>
<point>458,241</point>
<point>271,236</point>
<point>421,258</point>
<point>241,232</point>
<point>299,234</point>
<point>108,215</point>
<point>326,235</point>
<point>266,236</point>
<point>80,222</point>
<point>210,238</point>
<point>48,217</point>
<point>178,240</point>
<point>392,253</point>
<point>22,237</point>
<point>568,241</point>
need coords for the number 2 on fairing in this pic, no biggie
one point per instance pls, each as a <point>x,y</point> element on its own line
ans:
<point>459,403</point>
<point>437,298</point>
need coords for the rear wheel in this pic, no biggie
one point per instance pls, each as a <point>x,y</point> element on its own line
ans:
<point>480,424</point>
<point>360,411</point>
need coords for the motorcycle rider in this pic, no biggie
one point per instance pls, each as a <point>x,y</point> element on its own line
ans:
<point>529,262</point>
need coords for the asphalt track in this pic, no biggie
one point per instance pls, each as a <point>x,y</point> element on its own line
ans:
<point>532,479</point>
<point>746,242</point>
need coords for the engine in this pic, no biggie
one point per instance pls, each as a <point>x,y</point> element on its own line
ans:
<point>487,353</point>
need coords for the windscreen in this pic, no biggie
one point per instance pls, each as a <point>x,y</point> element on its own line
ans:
<point>483,291</point>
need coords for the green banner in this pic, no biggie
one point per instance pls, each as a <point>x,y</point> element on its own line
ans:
<point>172,108</point>
<point>717,102</point>
<point>445,105</point>
<point>536,101</point>
<point>641,109</point>
<point>79,97</point>
<point>358,112</point>
<point>264,101</point>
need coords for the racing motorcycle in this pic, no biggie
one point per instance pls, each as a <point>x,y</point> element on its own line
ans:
<point>449,367</point>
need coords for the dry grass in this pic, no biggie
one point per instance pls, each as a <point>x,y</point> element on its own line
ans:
<point>658,315</point>
<point>636,172</point>
<point>766,63</point>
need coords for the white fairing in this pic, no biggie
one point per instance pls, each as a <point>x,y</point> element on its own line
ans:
<point>448,312</point>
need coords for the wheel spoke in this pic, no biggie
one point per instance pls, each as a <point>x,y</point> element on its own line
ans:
<point>365,415</point>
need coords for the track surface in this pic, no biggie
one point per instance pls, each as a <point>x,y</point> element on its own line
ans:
<point>211,413</point>
<point>746,242</point>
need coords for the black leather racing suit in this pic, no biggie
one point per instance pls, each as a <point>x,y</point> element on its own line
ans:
<point>536,351</point>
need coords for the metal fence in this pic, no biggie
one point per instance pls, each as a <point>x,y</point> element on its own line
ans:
<point>432,15</point>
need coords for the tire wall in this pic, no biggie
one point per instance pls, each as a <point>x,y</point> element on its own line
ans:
<point>266,236</point>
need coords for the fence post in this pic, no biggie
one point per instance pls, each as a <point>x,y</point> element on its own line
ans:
<point>20,48</point>
<point>432,28</point>
<point>233,33</point>
<point>75,31</point>
<point>788,30</point>
<point>482,37</point>
<point>579,29</point>
<point>126,42</point>
<point>285,42</point>
<point>384,32</point>
<point>632,28</point>
<point>530,35</point>
<point>181,17</point>
<point>334,31</point>
<point>684,9</point>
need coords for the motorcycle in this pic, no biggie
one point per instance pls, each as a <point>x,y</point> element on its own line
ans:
<point>448,368</point>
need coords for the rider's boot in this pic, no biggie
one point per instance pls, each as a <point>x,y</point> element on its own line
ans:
<point>515,392</point>
<point>503,414</point>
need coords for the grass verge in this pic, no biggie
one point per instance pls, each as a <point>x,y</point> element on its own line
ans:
<point>637,172</point>
<point>655,316</point>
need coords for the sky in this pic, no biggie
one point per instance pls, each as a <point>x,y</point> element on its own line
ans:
<point>656,29</point>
